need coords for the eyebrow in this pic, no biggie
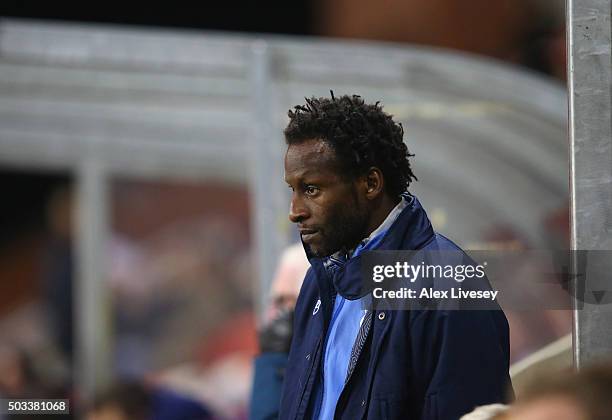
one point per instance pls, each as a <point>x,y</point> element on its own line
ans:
<point>306,173</point>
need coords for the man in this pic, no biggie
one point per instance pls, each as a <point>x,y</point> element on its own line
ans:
<point>349,170</point>
<point>275,334</point>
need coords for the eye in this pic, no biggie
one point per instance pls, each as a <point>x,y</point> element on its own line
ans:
<point>310,190</point>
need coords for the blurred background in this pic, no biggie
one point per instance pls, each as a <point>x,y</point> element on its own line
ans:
<point>143,208</point>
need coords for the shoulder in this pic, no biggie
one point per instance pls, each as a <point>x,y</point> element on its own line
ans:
<point>309,287</point>
<point>441,242</point>
<point>309,294</point>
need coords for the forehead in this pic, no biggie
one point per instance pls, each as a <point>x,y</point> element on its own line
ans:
<point>310,156</point>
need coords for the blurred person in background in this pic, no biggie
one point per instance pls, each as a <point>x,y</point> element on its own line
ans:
<point>275,334</point>
<point>18,379</point>
<point>135,401</point>
<point>21,377</point>
<point>585,395</point>
<point>348,167</point>
<point>288,281</point>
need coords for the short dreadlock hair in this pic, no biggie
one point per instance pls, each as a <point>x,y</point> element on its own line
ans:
<point>362,135</point>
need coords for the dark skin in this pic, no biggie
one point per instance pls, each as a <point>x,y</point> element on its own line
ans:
<point>332,212</point>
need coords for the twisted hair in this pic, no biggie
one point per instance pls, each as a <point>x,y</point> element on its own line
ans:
<point>361,135</point>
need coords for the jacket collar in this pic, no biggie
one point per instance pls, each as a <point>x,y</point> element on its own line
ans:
<point>411,230</point>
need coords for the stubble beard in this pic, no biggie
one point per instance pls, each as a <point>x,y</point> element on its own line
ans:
<point>343,231</point>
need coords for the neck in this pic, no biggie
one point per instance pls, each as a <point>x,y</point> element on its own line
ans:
<point>381,212</point>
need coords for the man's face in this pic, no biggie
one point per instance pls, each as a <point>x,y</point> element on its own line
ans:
<point>328,209</point>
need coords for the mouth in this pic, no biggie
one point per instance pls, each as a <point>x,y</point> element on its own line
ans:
<point>308,234</point>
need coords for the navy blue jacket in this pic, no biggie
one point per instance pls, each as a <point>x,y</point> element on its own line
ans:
<point>418,364</point>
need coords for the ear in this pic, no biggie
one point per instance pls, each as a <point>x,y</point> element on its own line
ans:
<point>374,183</point>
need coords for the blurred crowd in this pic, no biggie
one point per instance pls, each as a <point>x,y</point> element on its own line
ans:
<point>180,300</point>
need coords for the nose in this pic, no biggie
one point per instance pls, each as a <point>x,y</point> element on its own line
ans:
<point>297,210</point>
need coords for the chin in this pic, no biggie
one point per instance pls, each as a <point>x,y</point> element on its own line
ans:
<point>319,251</point>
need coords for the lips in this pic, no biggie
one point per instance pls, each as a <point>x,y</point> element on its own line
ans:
<point>308,234</point>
